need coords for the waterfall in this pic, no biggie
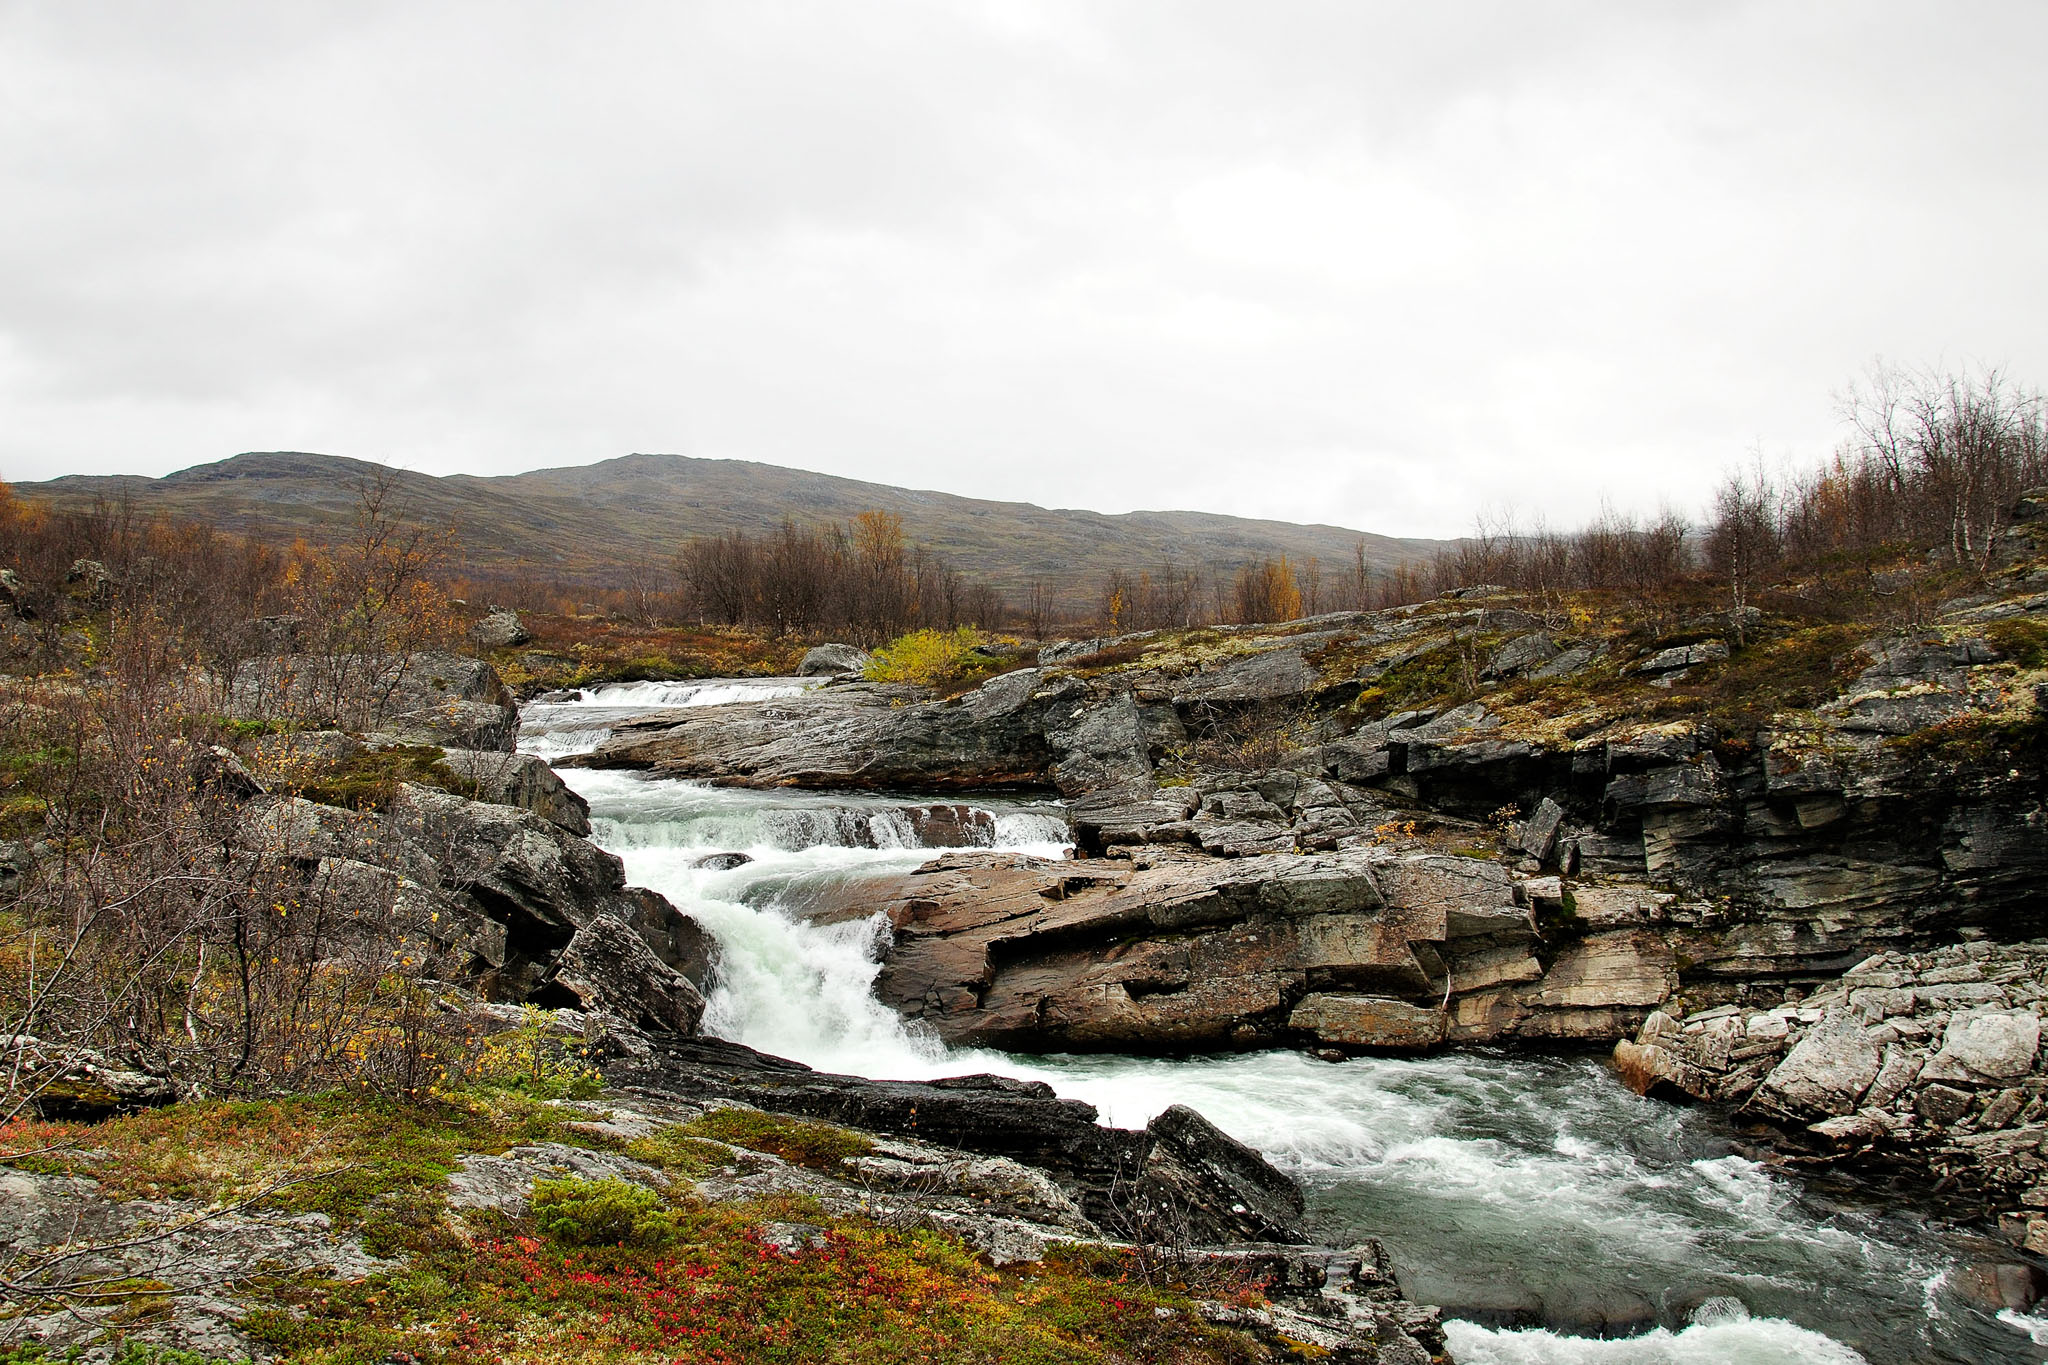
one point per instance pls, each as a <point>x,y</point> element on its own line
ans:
<point>648,696</point>
<point>785,985</point>
<point>576,725</point>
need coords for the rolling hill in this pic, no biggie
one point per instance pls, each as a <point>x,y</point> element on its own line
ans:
<point>585,524</point>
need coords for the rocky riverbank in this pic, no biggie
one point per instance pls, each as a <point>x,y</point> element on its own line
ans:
<point>1921,1066</point>
<point>1516,832</point>
<point>1001,1167</point>
<point>472,866</point>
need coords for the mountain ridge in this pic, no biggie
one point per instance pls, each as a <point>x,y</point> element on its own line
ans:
<point>589,523</point>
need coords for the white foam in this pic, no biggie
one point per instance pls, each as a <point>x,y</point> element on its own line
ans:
<point>786,985</point>
<point>1721,1337</point>
<point>1548,1170</point>
<point>2035,1328</point>
<point>695,692</point>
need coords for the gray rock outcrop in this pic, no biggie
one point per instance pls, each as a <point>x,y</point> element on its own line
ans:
<point>514,779</point>
<point>500,628</point>
<point>832,661</point>
<point>1928,1062</point>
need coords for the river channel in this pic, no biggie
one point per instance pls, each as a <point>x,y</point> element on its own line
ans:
<point>1557,1216</point>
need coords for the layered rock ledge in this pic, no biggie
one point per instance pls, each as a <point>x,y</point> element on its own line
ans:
<point>1368,949</point>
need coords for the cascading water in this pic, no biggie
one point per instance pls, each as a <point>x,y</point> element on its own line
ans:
<point>786,986</point>
<point>1511,1189</point>
<point>556,729</point>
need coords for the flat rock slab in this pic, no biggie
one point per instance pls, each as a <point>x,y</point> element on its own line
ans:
<point>1830,1068</point>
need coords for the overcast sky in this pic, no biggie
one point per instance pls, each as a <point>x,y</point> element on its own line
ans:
<point>1371,264</point>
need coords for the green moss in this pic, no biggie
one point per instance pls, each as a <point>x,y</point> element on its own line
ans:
<point>678,1153</point>
<point>817,1145</point>
<point>1793,671</point>
<point>361,1161</point>
<point>1993,748</point>
<point>2024,643</point>
<point>370,779</point>
<point>1442,675</point>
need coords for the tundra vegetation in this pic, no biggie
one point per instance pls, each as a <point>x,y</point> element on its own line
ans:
<point>203,1026</point>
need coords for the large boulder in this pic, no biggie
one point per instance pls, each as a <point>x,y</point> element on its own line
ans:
<point>13,595</point>
<point>1198,1186</point>
<point>91,583</point>
<point>448,699</point>
<point>500,628</point>
<point>1983,1045</point>
<point>832,661</point>
<point>515,779</point>
<point>1830,1069</point>
<point>608,968</point>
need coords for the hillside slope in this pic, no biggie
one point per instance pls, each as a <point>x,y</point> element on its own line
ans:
<point>587,522</point>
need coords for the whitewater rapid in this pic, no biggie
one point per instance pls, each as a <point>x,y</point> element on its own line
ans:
<point>1511,1189</point>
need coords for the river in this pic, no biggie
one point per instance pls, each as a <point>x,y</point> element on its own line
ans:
<point>1513,1189</point>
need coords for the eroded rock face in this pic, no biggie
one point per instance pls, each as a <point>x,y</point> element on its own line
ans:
<point>1368,949</point>
<point>487,894</point>
<point>1180,1181</point>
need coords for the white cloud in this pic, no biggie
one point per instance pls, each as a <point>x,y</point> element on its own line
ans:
<point>1336,262</point>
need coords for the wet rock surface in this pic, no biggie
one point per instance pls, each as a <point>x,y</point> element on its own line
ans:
<point>1926,1063</point>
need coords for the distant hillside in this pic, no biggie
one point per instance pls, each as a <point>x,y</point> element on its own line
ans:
<point>585,523</point>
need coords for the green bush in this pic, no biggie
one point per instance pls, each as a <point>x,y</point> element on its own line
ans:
<point>535,1059</point>
<point>934,658</point>
<point>588,1213</point>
